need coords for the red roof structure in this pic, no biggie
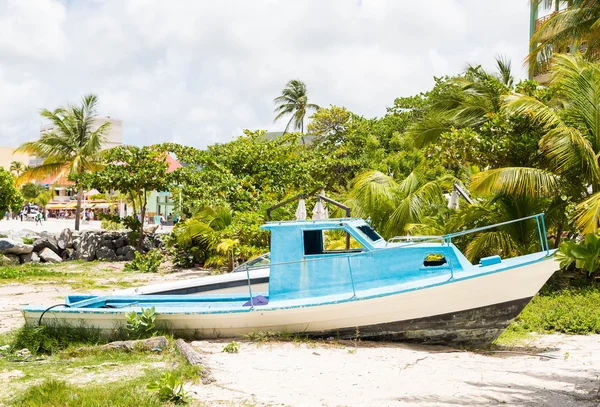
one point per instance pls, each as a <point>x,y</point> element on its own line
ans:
<point>173,163</point>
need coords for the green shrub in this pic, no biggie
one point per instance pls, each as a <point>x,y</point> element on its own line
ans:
<point>28,240</point>
<point>107,224</point>
<point>146,263</point>
<point>232,347</point>
<point>143,325</point>
<point>169,389</point>
<point>570,311</point>
<point>48,339</point>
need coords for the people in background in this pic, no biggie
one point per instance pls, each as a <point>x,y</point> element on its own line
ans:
<point>38,218</point>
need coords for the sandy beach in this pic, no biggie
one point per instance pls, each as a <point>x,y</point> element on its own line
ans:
<point>389,374</point>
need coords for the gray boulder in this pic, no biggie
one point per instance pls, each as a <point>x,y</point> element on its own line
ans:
<point>29,258</point>
<point>147,244</point>
<point>46,241</point>
<point>107,243</point>
<point>87,245</point>
<point>49,256</point>
<point>8,246</point>
<point>18,235</point>
<point>105,253</point>
<point>65,239</point>
<point>111,235</point>
<point>128,252</point>
<point>120,242</point>
<point>68,254</point>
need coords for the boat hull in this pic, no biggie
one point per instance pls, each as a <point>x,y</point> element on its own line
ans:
<point>465,310</point>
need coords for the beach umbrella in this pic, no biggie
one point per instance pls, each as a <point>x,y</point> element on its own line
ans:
<point>301,211</point>
<point>92,192</point>
<point>320,211</point>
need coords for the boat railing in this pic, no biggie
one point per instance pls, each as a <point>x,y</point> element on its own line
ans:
<point>541,227</point>
<point>447,239</point>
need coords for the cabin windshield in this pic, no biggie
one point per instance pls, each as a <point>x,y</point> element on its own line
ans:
<point>369,232</point>
<point>329,241</point>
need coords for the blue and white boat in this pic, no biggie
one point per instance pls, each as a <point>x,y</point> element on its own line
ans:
<point>412,289</point>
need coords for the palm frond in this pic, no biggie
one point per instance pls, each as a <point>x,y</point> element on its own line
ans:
<point>588,214</point>
<point>490,243</point>
<point>520,181</point>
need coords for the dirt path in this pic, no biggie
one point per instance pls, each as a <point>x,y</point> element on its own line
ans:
<point>386,374</point>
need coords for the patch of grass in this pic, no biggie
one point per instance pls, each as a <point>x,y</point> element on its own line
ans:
<point>54,392</point>
<point>513,336</point>
<point>91,377</point>
<point>28,240</point>
<point>58,393</point>
<point>48,339</point>
<point>569,310</point>
<point>285,336</point>
<point>27,271</point>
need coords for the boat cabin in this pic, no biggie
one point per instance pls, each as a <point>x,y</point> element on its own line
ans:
<point>311,258</point>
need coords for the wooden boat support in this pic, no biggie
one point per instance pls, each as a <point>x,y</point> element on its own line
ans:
<point>411,289</point>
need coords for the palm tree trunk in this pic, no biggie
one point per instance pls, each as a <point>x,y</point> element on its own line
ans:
<point>78,209</point>
<point>142,216</point>
<point>302,124</point>
<point>559,232</point>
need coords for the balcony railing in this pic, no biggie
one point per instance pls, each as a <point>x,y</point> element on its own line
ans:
<point>540,21</point>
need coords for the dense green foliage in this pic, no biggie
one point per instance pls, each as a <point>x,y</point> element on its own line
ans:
<point>146,263</point>
<point>10,198</point>
<point>132,170</point>
<point>30,191</point>
<point>518,148</point>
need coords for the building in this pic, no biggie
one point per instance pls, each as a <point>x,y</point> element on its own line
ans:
<point>539,15</point>
<point>8,155</point>
<point>161,203</point>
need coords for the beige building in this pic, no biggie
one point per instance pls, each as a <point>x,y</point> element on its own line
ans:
<point>114,137</point>
<point>7,156</point>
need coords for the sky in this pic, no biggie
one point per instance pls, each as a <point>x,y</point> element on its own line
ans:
<point>198,72</point>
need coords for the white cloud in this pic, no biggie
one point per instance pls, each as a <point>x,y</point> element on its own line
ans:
<point>198,72</point>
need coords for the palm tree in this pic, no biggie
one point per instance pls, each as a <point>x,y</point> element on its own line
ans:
<point>468,102</point>
<point>393,208</point>
<point>17,167</point>
<point>203,231</point>
<point>571,143</point>
<point>510,240</point>
<point>293,100</point>
<point>577,27</point>
<point>72,148</point>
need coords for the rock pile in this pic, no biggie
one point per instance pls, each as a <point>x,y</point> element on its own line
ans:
<point>70,245</point>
